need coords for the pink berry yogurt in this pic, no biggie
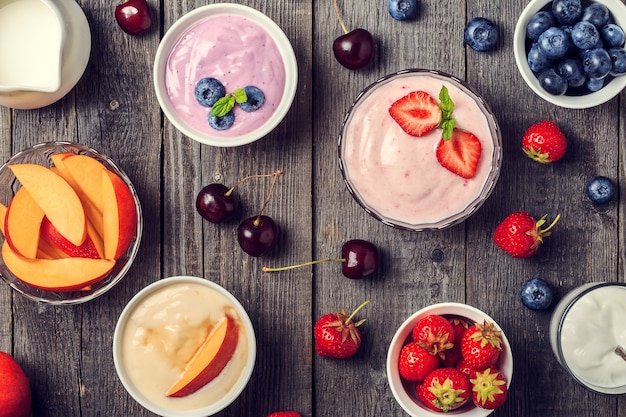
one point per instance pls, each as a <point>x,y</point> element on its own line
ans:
<point>396,177</point>
<point>238,52</point>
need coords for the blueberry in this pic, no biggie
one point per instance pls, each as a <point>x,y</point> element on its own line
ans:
<point>208,91</point>
<point>255,100</point>
<point>597,63</point>
<point>222,122</point>
<point>572,69</point>
<point>618,57</point>
<point>481,34</point>
<point>402,9</point>
<point>537,294</point>
<point>613,35</point>
<point>554,42</point>
<point>596,14</point>
<point>552,82</point>
<point>585,35</point>
<point>600,190</point>
<point>594,85</point>
<point>538,61</point>
<point>567,12</point>
<point>539,23</point>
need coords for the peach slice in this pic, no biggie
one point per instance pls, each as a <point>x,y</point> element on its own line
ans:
<point>119,215</point>
<point>67,274</point>
<point>93,213</point>
<point>209,360</point>
<point>86,171</point>
<point>22,224</point>
<point>50,234</point>
<point>57,199</point>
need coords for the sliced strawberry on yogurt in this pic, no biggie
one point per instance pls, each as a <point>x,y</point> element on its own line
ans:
<point>417,113</point>
<point>460,154</point>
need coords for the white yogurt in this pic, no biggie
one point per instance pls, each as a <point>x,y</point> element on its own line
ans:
<point>587,327</point>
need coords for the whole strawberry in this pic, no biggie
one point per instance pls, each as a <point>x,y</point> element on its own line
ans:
<point>415,362</point>
<point>336,335</point>
<point>481,345</point>
<point>453,355</point>
<point>544,142</point>
<point>434,333</point>
<point>489,389</point>
<point>520,235</point>
<point>444,389</point>
<point>285,414</point>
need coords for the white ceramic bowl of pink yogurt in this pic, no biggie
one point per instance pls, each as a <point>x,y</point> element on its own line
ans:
<point>396,177</point>
<point>237,45</point>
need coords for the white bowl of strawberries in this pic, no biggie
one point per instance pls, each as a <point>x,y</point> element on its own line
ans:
<point>452,358</point>
<point>71,222</point>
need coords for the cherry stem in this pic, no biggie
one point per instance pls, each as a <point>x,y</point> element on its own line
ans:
<point>343,26</point>
<point>285,268</point>
<point>273,174</point>
<point>349,319</point>
<point>620,352</point>
<point>276,174</point>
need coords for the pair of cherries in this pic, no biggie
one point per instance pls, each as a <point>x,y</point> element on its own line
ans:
<point>256,235</point>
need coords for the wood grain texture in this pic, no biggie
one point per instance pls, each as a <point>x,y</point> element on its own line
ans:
<point>66,351</point>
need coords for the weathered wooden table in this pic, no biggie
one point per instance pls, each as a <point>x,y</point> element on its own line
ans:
<point>66,351</point>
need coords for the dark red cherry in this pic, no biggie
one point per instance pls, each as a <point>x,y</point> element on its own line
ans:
<point>216,204</point>
<point>257,235</point>
<point>354,50</point>
<point>360,258</point>
<point>134,16</point>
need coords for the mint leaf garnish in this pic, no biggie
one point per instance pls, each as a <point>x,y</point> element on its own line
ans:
<point>447,106</point>
<point>223,106</point>
<point>240,95</point>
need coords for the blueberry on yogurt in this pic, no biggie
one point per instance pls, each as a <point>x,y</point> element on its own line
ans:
<point>222,122</point>
<point>254,99</point>
<point>208,91</point>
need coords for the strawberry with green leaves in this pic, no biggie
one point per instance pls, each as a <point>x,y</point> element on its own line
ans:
<point>336,335</point>
<point>481,345</point>
<point>489,389</point>
<point>416,363</point>
<point>544,142</point>
<point>434,333</point>
<point>285,414</point>
<point>444,389</point>
<point>418,113</point>
<point>520,235</point>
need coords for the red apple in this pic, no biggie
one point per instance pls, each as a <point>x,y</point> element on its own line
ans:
<point>15,396</point>
<point>134,16</point>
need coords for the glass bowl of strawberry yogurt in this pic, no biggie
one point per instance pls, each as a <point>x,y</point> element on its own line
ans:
<point>395,163</point>
<point>464,316</point>
<point>174,356</point>
<point>207,66</point>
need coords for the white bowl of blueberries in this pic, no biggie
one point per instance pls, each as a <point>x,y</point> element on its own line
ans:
<point>571,52</point>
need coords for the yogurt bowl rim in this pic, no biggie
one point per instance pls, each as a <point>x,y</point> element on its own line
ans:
<point>409,404</point>
<point>136,394</point>
<point>174,33</point>
<point>608,92</point>
<point>490,182</point>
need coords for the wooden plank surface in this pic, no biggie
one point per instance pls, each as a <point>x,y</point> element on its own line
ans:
<point>66,351</point>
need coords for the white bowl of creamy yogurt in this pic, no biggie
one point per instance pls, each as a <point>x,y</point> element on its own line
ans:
<point>237,47</point>
<point>170,330</point>
<point>396,177</point>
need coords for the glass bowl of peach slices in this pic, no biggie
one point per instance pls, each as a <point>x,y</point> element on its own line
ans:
<point>71,223</point>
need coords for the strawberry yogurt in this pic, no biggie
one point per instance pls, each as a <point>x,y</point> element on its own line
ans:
<point>396,177</point>
<point>586,331</point>
<point>238,52</point>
